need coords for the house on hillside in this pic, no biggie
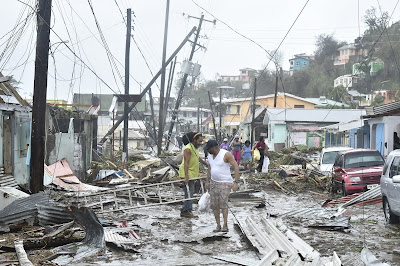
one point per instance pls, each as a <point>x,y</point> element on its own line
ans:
<point>299,61</point>
<point>291,127</point>
<point>238,109</point>
<point>345,52</point>
<point>347,81</point>
<point>375,66</point>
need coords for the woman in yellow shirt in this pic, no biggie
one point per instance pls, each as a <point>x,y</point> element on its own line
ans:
<point>189,168</point>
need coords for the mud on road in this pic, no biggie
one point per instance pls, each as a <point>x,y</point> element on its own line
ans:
<point>171,240</point>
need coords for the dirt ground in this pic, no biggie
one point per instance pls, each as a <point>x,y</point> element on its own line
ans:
<point>163,231</point>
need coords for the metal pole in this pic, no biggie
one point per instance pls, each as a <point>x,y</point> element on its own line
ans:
<point>113,139</point>
<point>169,88</point>
<point>276,87</point>
<point>163,66</point>
<point>212,115</point>
<point>253,112</point>
<point>126,106</point>
<point>152,116</point>
<point>39,96</point>
<point>198,116</point>
<point>148,85</point>
<point>185,76</point>
<point>220,114</point>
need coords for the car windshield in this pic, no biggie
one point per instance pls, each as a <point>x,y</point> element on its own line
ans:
<point>363,159</point>
<point>329,157</point>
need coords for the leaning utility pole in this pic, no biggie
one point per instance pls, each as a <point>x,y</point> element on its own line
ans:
<point>163,66</point>
<point>145,90</point>
<point>253,110</point>
<point>39,96</point>
<point>126,106</point>
<point>185,76</point>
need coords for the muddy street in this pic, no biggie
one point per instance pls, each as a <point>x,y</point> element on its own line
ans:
<point>168,239</point>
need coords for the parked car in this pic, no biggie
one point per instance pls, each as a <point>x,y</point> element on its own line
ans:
<point>356,170</point>
<point>390,187</point>
<point>327,158</point>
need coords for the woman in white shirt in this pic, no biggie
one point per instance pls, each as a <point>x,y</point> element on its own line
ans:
<point>220,181</point>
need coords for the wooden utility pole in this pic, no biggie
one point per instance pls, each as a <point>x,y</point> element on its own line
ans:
<point>146,89</point>
<point>39,96</point>
<point>163,66</point>
<point>154,133</point>
<point>169,88</point>
<point>253,110</point>
<point>124,160</point>
<point>183,83</point>
<point>212,115</point>
<point>276,87</point>
<point>220,114</point>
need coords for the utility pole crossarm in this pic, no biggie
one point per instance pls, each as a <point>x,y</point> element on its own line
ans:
<point>145,90</point>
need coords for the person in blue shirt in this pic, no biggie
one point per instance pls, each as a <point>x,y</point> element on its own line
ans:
<point>247,158</point>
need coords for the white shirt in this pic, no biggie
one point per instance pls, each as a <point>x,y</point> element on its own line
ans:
<point>220,170</point>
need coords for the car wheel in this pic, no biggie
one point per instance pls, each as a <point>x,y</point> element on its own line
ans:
<point>390,217</point>
<point>344,192</point>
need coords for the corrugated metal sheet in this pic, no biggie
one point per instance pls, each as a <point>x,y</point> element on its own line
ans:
<point>369,195</point>
<point>51,214</point>
<point>311,212</point>
<point>114,237</point>
<point>387,108</point>
<point>8,181</point>
<point>23,209</point>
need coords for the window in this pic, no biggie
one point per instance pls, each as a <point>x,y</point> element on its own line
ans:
<point>305,63</point>
<point>394,167</point>
<point>291,62</point>
<point>363,159</point>
<point>244,72</point>
<point>299,106</point>
<point>297,63</point>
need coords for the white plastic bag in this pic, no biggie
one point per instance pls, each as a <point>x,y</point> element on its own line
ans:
<point>265,165</point>
<point>204,202</point>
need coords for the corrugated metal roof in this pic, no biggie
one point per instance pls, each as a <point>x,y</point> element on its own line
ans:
<point>51,214</point>
<point>114,237</point>
<point>311,115</point>
<point>8,181</point>
<point>14,107</point>
<point>308,212</point>
<point>23,209</point>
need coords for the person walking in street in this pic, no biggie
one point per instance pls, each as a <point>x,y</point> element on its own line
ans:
<point>261,148</point>
<point>189,169</point>
<point>220,182</point>
<point>237,149</point>
<point>225,145</point>
<point>246,151</point>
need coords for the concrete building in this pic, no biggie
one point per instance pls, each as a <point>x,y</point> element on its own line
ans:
<point>345,52</point>
<point>291,127</point>
<point>300,61</point>
<point>238,109</point>
<point>347,81</point>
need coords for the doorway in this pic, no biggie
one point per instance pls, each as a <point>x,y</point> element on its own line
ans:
<point>7,143</point>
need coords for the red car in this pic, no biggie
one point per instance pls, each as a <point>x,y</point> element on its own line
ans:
<point>356,170</point>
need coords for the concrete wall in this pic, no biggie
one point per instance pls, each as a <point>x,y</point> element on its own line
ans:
<point>277,134</point>
<point>382,130</point>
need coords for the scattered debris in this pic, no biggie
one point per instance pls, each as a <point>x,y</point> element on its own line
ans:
<point>22,257</point>
<point>369,259</point>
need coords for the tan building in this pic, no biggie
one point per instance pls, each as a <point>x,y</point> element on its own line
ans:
<point>345,52</point>
<point>237,109</point>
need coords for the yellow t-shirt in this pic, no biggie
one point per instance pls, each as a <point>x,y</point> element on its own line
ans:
<point>193,162</point>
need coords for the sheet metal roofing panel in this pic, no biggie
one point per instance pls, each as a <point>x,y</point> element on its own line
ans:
<point>49,214</point>
<point>14,107</point>
<point>311,115</point>
<point>23,208</point>
<point>118,239</point>
<point>310,212</point>
<point>8,181</point>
